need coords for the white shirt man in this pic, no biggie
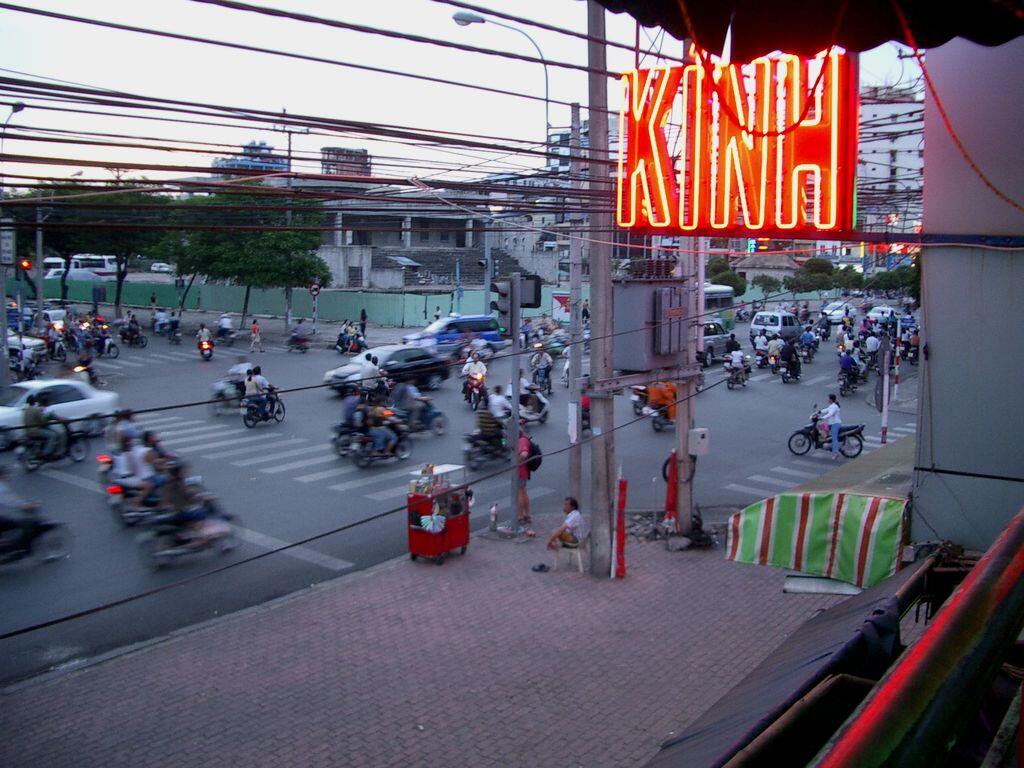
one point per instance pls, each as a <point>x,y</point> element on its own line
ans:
<point>761,343</point>
<point>541,359</point>
<point>473,367</point>
<point>736,359</point>
<point>368,371</point>
<point>159,319</point>
<point>872,343</point>
<point>498,405</point>
<point>478,345</point>
<point>830,414</point>
<point>224,323</point>
<point>239,371</point>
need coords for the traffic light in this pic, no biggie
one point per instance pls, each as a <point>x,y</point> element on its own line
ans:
<point>24,267</point>
<point>503,304</point>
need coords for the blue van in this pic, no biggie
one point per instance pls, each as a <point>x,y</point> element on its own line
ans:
<point>446,331</point>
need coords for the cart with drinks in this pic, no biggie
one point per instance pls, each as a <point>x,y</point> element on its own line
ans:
<point>438,506</point>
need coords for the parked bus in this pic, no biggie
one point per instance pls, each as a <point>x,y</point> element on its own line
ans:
<point>719,299</point>
<point>104,266</point>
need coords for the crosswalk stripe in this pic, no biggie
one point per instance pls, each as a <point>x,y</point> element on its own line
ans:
<point>146,419</point>
<point>904,430</point>
<point>820,455</point>
<point>793,472</point>
<point>911,424</point>
<point>771,481</point>
<point>342,470</point>
<point>75,480</point>
<point>265,458</point>
<point>481,490</point>
<point>816,380</point>
<point>190,431</point>
<point>299,553</point>
<point>374,477</point>
<point>872,439</point>
<point>130,364</point>
<point>806,463</point>
<point>332,456</point>
<point>102,364</point>
<point>218,444</point>
<point>761,377</point>
<point>756,492</point>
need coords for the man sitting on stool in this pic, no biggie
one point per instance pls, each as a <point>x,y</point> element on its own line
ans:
<point>570,532</point>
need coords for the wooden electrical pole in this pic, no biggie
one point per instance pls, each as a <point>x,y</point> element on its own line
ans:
<point>575,316</point>
<point>602,453</point>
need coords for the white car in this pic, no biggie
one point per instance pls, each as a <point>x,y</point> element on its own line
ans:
<point>881,312</point>
<point>36,345</point>
<point>66,398</point>
<point>836,311</point>
<point>160,266</point>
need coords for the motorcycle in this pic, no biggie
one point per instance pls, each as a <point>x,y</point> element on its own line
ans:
<point>773,363</point>
<point>361,448</point>
<point>851,438</point>
<point>742,316</point>
<point>37,538</point>
<point>205,349</point>
<point>341,440</point>
<point>31,454</point>
<point>659,417</point>
<point>807,353</point>
<point>539,413</point>
<point>847,384</point>
<point>476,390</point>
<point>227,395</point>
<point>226,336</point>
<point>137,340</point>
<point>252,414</point>
<point>167,540</point>
<point>174,337</point>
<point>87,375</point>
<point>738,374</point>
<point>788,374</point>
<point>297,344</point>
<point>638,396</point>
<point>542,378</point>
<point>476,449</point>
<point>430,419</point>
<point>762,359</point>
<point>350,345</point>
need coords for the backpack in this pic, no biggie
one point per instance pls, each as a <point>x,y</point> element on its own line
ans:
<point>535,458</point>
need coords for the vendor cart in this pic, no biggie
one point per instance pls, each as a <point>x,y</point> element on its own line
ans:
<point>438,510</point>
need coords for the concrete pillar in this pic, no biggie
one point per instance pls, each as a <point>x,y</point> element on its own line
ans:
<point>469,233</point>
<point>407,232</point>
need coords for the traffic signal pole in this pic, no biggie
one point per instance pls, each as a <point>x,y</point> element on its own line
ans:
<point>513,429</point>
<point>575,320</point>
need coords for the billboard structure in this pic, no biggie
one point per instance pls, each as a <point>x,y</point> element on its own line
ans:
<point>767,148</point>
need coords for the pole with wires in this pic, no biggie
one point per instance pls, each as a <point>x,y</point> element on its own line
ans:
<point>575,322</point>
<point>602,452</point>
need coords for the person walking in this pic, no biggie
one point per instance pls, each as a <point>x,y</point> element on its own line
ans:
<point>437,313</point>
<point>522,497</point>
<point>362,322</point>
<point>255,336</point>
<point>831,416</point>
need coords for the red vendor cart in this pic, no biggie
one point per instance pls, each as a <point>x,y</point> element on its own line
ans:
<point>438,513</point>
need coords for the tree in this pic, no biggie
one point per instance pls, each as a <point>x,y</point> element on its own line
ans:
<point>733,280</point>
<point>767,283</point>
<point>849,279</point>
<point>804,282</point>
<point>815,266</point>
<point>717,265</point>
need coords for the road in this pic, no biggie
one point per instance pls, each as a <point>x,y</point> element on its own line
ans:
<point>286,484</point>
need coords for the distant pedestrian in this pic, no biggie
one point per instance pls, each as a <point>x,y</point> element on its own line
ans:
<point>152,301</point>
<point>255,336</point>
<point>522,497</point>
<point>362,322</point>
<point>437,313</point>
<point>585,312</point>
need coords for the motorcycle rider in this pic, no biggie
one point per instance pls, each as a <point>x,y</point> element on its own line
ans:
<point>203,334</point>
<point>830,415</point>
<point>238,373</point>
<point>174,324</point>
<point>349,403</point>
<point>223,326</point>
<point>808,339</point>
<point>380,421</point>
<point>871,345</point>
<point>738,364</point>
<point>732,345</point>
<point>540,364</point>
<point>254,391</point>
<point>13,528</point>
<point>159,320</point>
<point>299,338</point>
<point>133,329</point>
<point>473,367</point>
<point>143,477</point>
<point>789,356</point>
<point>824,325</point>
<point>774,346</point>
<point>38,426</point>
<point>848,367</point>
<point>408,397</point>
<point>489,420</point>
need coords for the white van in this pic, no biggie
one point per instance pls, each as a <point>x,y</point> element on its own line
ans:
<point>53,262</point>
<point>778,322</point>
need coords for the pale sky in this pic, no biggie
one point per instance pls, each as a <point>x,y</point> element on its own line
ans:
<point>196,72</point>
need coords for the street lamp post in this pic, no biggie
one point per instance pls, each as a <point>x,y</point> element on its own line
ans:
<point>465,18</point>
<point>16,107</point>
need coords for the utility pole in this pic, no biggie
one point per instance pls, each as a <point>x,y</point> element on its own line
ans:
<point>694,262</point>
<point>37,319</point>
<point>575,318</point>
<point>286,128</point>
<point>513,428</point>
<point>602,453</point>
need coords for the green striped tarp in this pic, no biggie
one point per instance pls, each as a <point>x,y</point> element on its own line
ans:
<point>843,536</point>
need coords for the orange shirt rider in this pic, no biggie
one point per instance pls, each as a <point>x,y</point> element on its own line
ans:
<point>662,394</point>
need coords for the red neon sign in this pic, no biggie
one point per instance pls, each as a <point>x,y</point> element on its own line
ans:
<point>750,154</point>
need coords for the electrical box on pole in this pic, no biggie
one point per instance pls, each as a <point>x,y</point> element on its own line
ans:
<point>529,291</point>
<point>651,324</point>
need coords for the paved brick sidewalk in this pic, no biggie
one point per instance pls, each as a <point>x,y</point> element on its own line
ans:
<point>481,662</point>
